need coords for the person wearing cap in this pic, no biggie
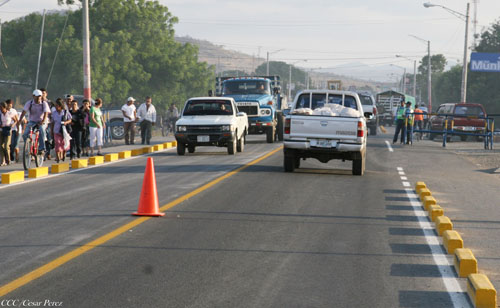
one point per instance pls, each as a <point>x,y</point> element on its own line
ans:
<point>409,123</point>
<point>129,119</point>
<point>38,111</point>
<point>400,122</point>
<point>68,102</point>
<point>147,119</point>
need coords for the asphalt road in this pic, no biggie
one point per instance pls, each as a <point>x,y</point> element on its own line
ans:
<point>318,237</point>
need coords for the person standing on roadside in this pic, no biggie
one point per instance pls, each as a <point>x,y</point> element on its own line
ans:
<point>129,119</point>
<point>8,119</point>
<point>38,111</point>
<point>68,102</point>
<point>85,130</point>
<point>96,127</point>
<point>76,130</point>
<point>409,123</point>
<point>60,118</point>
<point>400,122</point>
<point>419,120</point>
<point>49,137</point>
<point>14,137</point>
<point>147,117</point>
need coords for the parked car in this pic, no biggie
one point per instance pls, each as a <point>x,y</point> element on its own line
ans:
<point>370,111</point>
<point>467,118</point>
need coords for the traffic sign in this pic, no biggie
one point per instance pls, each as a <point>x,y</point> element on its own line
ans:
<point>485,62</point>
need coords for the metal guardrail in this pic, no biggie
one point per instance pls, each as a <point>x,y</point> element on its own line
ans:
<point>487,133</point>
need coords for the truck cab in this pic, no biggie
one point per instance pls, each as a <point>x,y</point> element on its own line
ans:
<point>260,99</point>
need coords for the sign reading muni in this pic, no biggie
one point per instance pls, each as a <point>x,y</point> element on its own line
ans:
<point>485,62</point>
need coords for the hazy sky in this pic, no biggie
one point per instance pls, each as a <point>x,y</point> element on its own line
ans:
<point>327,33</point>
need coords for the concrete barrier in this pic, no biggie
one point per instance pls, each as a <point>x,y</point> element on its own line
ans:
<point>147,150</point>
<point>481,291</point>
<point>452,240</point>
<point>124,154</point>
<point>12,177</point>
<point>442,224</point>
<point>158,147</point>
<point>167,145</point>
<point>174,143</point>
<point>59,168</point>
<point>111,157</point>
<point>465,262</point>
<point>79,163</point>
<point>428,201</point>
<point>424,192</point>
<point>96,160</point>
<point>435,211</point>
<point>35,173</point>
<point>419,186</point>
<point>137,152</point>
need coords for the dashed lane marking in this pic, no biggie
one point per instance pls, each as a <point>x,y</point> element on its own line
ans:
<point>389,147</point>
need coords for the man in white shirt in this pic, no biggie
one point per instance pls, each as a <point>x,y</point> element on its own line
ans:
<point>147,118</point>
<point>129,119</point>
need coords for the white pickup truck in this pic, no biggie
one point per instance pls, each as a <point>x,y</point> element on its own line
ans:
<point>326,125</point>
<point>211,121</point>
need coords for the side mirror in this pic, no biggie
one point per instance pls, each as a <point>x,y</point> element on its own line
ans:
<point>241,114</point>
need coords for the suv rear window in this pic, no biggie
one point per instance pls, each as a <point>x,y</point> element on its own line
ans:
<point>469,111</point>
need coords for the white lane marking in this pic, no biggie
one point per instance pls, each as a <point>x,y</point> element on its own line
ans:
<point>27,180</point>
<point>389,146</point>
<point>406,184</point>
<point>401,173</point>
<point>455,291</point>
<point>404,178</point>
<point>400,168</point>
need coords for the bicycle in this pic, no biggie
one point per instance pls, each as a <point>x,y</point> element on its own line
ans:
<point>30,151</point>
<point>169,127</point>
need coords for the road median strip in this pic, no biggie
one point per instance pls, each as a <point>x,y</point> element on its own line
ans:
<point>12,177</point>
<point>35,173</point>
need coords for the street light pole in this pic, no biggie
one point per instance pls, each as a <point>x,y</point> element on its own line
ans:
<point>267,66</point>
<point>290,78</point>
<point>429,71</point>
<point>463,92</point>
<point>414,73</point>
<point>86,51</point>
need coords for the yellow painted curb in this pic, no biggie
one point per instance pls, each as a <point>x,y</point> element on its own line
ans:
<point>124,154</point>
<point>147,150</point>
<point>96,160</point>
<point>59,168</point>
<point>481,292</point>
<point>452,240</point>
<point>174,143</point>
<point>111,157</point>
<point>465,262</point>
<point>424,192</point>
<point>442,224</point>
<point>158,147</point>
<point>428,201</point>
<point>419,186</point>
<point>167,145</point>
<point>12,177</point>
<point>435,211</point>
<point>79,163</point>
<point>137,152</point>
<point>39,172</point>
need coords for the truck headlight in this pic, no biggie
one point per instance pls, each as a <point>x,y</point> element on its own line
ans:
<point>226,128</point>
<point>181,128</point>
<point>265,112</point>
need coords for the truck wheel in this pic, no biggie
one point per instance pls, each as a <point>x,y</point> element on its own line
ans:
<point>288,163</point>
<point>191,149</point>
<point>117,130</point>
<point>270,133</point>
<point>358,166</point>
<point>231,147</point>
<point>241,144</point>
<point>373,130</point>
<point>181,149</point>
<point>296,162</point>
<point>280,127</point>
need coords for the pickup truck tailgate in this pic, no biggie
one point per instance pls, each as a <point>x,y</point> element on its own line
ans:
<point>324,127</point>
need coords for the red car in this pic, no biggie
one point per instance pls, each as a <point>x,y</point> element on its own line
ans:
<point>468,118</point>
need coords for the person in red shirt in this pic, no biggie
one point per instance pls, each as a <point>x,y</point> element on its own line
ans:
<point>418,120</point>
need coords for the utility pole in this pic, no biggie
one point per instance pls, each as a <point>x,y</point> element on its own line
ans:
<point>40,51</point>
<point>415,79</point>
<point>87,91</point>
<point>463,99</point>
<point>429,76</point>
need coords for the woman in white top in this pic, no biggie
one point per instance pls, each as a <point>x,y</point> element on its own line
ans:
<point>7,120</point>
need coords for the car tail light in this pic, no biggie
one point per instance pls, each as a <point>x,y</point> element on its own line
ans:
<point>361,131</point>
<point>287,126</point>
<point>374,110</point>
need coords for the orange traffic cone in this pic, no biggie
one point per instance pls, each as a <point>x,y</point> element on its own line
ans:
<point>148,202</point>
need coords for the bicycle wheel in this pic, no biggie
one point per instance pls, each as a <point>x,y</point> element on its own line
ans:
<point>27,153</point>
<point>39,158</point>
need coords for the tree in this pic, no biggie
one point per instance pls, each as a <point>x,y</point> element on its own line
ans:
<point>438,64</point>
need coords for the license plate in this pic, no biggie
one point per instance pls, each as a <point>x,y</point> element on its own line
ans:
<point>203,138</point>
<point>323,143</point>
<point>469,128</point>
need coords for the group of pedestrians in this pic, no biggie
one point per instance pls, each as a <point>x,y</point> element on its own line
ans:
<point>145,115</point>
<point>63,125</point>
<point>406,120</point>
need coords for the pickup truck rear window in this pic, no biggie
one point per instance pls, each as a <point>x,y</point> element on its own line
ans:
<point>208,107</point>
<point>469,111</point>
<point>318,100</point>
